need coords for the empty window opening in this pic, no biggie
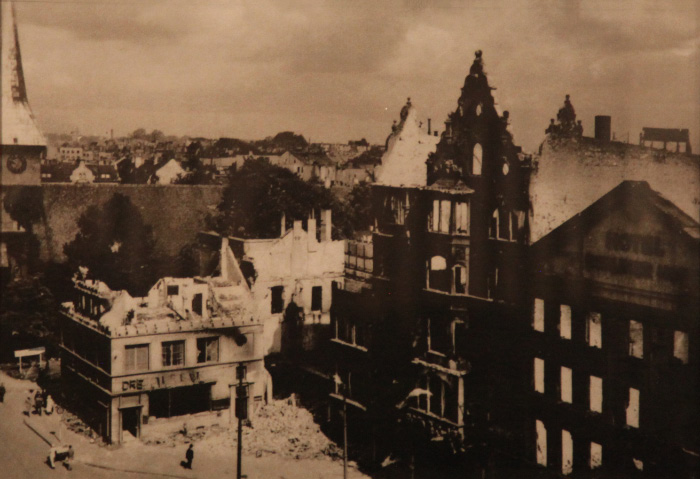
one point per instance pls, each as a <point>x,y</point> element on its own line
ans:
<point>567,452</point>
<point>596,455</point>
<point>680,346</point>
<point>565,321</point>
<point>173,290</point>
<point>276,299</point>
<point>636,340</point>
<point>207,350</point>
<point>539,375</point>
<point>503,224</point>
<point>438,274</point>
<point>538,316</point>
<point>566,390</point>
<point>541,441</point>
<point>596,394</point>
<point>633,408</point>
<point>594,331</point>
<point>477,158</point>
<point>462,218</point>
<point>197,303</point>
<point>460,279</point>
<point>316,298</point>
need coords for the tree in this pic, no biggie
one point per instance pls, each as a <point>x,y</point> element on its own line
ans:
<point>259,193</point>
<point>139,134</point>
<point>117,247</point>
<point>360,207</point>
<point>156,136</point>
<point>27,316</point>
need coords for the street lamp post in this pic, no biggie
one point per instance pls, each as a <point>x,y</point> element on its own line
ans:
<point>241,411</point>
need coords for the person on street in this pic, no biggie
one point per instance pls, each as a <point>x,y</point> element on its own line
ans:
<point>28,403</point>
<point>2,392</point>
<point>189,455</point>
<point>49,405</point>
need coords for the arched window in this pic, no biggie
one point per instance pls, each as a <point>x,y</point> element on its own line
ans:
<point>477,157</point>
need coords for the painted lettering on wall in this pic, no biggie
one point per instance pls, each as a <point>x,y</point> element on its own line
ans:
<point>634,243</point>
<point>132,385</point>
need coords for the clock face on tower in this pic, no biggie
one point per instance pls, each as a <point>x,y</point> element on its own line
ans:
<point>16,164</point>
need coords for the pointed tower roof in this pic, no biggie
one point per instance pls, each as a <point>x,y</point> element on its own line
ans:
<point>408,148</point>
<point>17,123</point>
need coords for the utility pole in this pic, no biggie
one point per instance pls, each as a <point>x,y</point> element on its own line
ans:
<point>345,434</point>
<point>343,388</point>
<point>241,411</point>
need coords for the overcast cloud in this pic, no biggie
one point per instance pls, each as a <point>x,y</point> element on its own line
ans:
<point>335,70</point>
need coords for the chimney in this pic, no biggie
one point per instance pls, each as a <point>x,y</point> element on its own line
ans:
<point>283,225</point>
<point>326,225</point>
<point>602,128</point>
<point>311,229</point>
<point>429,131</point>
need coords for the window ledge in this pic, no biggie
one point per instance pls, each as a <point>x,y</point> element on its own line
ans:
<point>435,417</point>
<point>437,367</point>
<point>350,345</point>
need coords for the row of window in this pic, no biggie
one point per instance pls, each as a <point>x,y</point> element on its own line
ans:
<point>567,450</point>
<point>137,356</point>
<point>595,395</point>
<point>277,299</point>
<point>506,225</point>
<point>594,335</point>
<point>449,217</point>
<point>438,395</point>
<point>441,278</point>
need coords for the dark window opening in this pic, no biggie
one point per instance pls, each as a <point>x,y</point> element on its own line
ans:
<point>173,290</point>
<point>207,350</point>
<point>316,298</point>
<point>197,303</point>
<point>277,300</point>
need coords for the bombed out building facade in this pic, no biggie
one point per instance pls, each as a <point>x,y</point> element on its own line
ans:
<point>127,360</point>
<point>536,312</point>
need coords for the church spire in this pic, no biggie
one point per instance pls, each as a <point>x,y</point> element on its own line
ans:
<point>17,125</point>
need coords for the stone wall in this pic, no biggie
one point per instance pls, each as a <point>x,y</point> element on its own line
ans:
<point>176,212</point>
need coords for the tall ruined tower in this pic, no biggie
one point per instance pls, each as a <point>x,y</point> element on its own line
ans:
<point>22,145</point>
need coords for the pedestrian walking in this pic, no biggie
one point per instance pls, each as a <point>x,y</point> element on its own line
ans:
<point>61,453</point>
<point>2,392</point>
<point>49,405</point>
<point>189,456</point>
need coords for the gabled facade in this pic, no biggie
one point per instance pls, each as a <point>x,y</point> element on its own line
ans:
<point>614,340</point>
<point>437,284</point>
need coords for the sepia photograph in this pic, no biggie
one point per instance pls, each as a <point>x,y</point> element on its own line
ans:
<point>325,239</point>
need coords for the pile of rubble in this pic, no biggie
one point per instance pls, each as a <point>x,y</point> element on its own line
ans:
<point>75,424</point>
<point>282,428</point>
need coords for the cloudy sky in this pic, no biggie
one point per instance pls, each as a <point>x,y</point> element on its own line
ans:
<point>338,70</point>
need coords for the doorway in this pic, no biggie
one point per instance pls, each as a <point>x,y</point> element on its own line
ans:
<point>131,423</point>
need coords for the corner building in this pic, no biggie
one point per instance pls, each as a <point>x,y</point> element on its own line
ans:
<point>173,352</point>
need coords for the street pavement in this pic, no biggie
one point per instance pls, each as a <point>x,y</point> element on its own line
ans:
<point>24,448</point>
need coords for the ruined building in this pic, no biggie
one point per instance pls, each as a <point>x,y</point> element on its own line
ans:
<point>127,360</point>
<point>421,322</point>
<point>291,280</point>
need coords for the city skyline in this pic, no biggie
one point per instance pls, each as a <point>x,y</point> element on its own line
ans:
<point>335,72</point>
